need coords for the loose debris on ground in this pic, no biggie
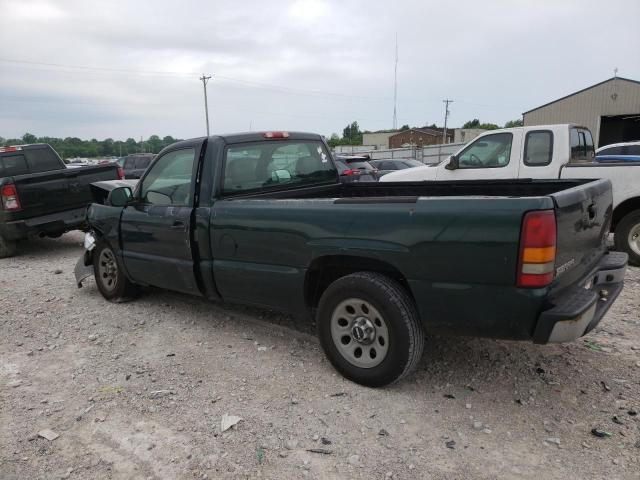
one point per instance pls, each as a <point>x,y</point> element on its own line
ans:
<point>93,390</point>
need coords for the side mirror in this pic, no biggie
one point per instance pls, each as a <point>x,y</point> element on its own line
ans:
<point>119,197</point>
<point>454,163</point>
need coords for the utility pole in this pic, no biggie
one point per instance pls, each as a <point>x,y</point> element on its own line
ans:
<point>446,117</point>
<point>205,80</point>
<point>395,89</point>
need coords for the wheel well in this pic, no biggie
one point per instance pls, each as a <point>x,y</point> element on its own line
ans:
<point>324,271</point>
<point>623,209</point>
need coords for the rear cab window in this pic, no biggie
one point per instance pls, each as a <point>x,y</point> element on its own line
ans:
<point>42,160</point>
<point>13,164</point>
<point>257,166</point>
<point>142,162</point>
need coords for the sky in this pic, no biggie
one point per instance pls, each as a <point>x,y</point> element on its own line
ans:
<point>123,69</point>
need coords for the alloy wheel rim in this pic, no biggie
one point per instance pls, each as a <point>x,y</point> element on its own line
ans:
<point>360,333</point>
<point>108,270</point>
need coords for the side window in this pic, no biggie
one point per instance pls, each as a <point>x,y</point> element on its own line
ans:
<point>269,164</point>
<point>42,160</point>
<point>581,145</point>
<point>13,165</point>
<point>169,181</point>
<point>386,166</point>
<point>633,150</point>
<point>538,148</point>
<point>490,151</point>
<point>129,163</point>
<point>611,151</point>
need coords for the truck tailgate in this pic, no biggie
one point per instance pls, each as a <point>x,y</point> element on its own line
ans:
<point>583,219</point>
<point>59,190</point>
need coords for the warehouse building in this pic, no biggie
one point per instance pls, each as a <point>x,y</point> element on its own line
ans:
<point>610,109</point>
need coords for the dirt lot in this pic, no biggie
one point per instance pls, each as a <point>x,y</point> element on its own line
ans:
<point>138,390</point>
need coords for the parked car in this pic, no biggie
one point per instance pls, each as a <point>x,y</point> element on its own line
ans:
<point>376,265</point>
<point>368,173</point>
<point>544,152</point>
<point>136,164</point>
<point>346,172</point>
<point>40,196</point>
<point>389,165</point>
<point>619,152</point>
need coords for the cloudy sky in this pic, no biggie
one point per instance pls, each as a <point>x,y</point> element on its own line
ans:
<point>130,68</point>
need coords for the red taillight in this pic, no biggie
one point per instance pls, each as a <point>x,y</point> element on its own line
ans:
<point>536,263</point>
<point>275,134</point>
<point>120,173</point>
<point>10,198</point>
<point>351,171</point>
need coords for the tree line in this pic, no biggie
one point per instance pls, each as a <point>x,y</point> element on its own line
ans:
<point>72,147</point>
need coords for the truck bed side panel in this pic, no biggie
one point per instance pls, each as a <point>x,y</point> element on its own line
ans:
<point>457,254</point>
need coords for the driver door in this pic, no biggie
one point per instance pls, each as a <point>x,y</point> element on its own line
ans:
<point>156,228</point>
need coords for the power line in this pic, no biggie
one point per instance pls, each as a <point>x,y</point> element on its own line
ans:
<point>252,83</point>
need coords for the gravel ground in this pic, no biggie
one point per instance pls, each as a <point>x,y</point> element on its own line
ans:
<point>138,390</point>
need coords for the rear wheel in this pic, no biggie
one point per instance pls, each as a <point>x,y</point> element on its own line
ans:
<point>7,247</point>
<point>369,329</point>
<point>627,236</point>
<point>110,278</point>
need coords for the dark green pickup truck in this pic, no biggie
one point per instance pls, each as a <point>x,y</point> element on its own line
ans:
<point>261,218</point>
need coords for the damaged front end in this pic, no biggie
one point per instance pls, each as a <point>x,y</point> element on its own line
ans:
<point>84,265</point>
<point>103,219</point>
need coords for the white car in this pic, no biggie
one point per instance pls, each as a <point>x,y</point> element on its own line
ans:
<point>545,151</point>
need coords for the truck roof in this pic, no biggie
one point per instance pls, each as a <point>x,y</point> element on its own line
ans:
<point>555,126</point>
<point>259,136</point>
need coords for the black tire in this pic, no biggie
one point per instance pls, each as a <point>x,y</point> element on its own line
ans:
<point>627,236</point>
<point>405,335</point>
<point>110,277</point>
<point>7,248</point>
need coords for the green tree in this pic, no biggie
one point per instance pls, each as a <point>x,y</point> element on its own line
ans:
<point>154,144</point>
<point>352,135</point>
<point>334,140</point>
<point>29,138</point>
<point>475,123</point>
<point>405,127</point>
<point>514,123</point>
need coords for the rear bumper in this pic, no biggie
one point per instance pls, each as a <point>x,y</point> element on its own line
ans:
<point>578,312</point>
<point>54,223</point>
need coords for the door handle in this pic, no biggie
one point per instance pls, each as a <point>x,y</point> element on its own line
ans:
<point>178,225</point>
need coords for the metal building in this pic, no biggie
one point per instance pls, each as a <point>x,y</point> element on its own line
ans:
<point>610,109</point>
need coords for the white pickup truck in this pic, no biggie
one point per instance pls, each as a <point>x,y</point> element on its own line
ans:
<point>548,151</point>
